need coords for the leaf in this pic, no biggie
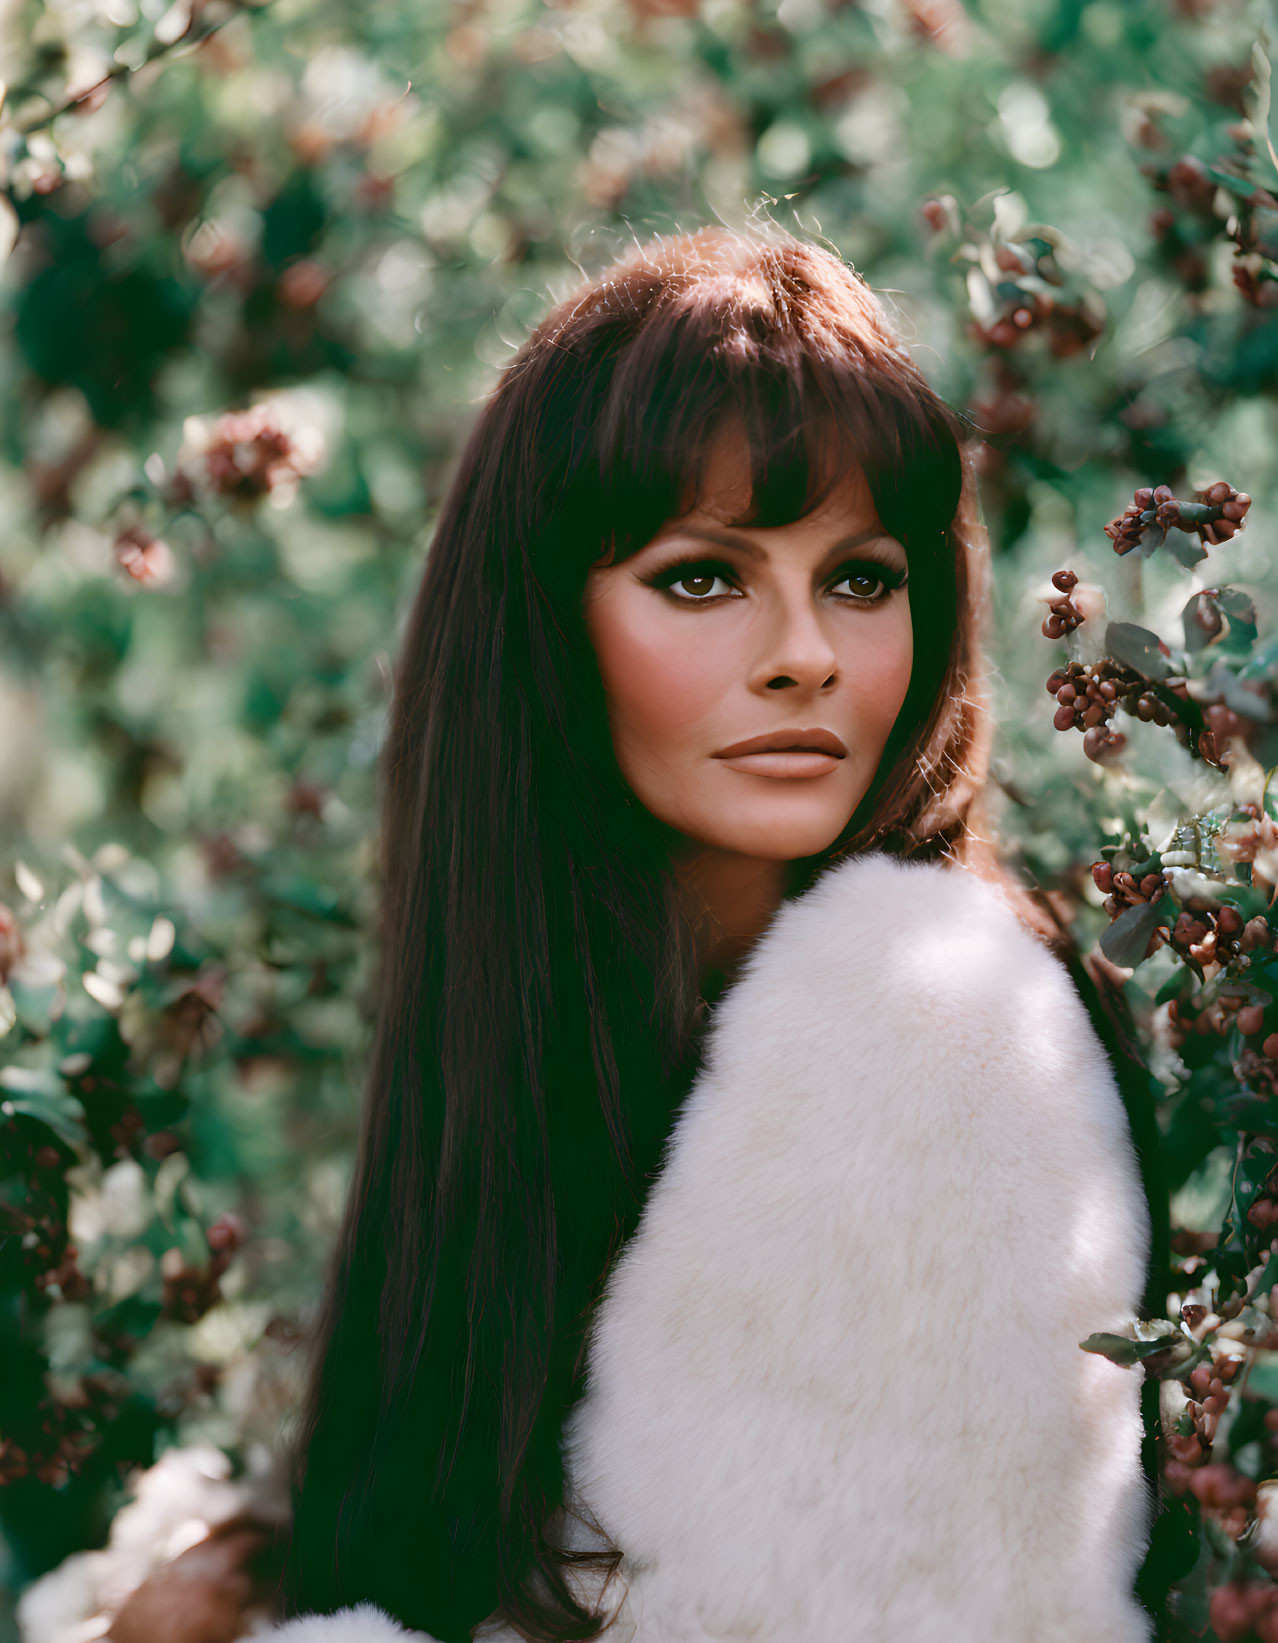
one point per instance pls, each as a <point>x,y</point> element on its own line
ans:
<point>1257,1167</point>
<point>1224,684</point>
<point>1237,605</point>
<point>1249,1111</point>
<point>38,1092</point>
<point>1241,611</point>
<point>1121,1349</point>
<point>1261,78</point>
<point>1269,1277</point>
<point>304,895</point>
<point>1239,187</point>
<point>1262,1378</point>
<point>980,298</point>
<point>1128,936</point>
<point>1010,214</point>
<point>1179,985</point>
<point>1137,648</point>
<point>1185,549</point>
<point>1263,661</point>
<point>1202,621</point>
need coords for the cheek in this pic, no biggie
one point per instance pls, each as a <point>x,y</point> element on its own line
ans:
<point>662,684</point>
<point>877,662</point>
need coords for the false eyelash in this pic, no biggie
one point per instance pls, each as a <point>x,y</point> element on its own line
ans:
<point>667,575</point>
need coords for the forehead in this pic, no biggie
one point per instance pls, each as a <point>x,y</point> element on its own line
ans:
<point>723,492</point>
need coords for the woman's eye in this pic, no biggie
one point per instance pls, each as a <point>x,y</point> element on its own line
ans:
<point>694,584</point>
<point>701,585</point>
<point>706,582</point>
<point>863,584</point>
<point>863,580</point>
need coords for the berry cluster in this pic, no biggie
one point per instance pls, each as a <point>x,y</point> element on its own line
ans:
<point>1207,935</point>
<point>1184,228</point>
<point>189,1291</point>
<point>1215,514</point>
<point>246,455</point>
<point>12,945</point>
<point>1223,724</point>
<point>1263,1213</point>
<point>1189,1465</point>
<point>1088,694</point>
<point>1064,616</point>
<point>1258,1069</point>
<point>1025,303</point>
<point>1204,205</point>
<point>145,557</point>
<point>1124,890</point>
<point>62,1435</point>
<point>38,1222</point>
<point>1003,407</point>
<point>1239,1609</point>
<point>1247,834</point>
<point>1217,935</point>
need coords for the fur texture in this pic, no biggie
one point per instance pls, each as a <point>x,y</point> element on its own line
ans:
<point>365,1623</point>
<point>834,1391</point>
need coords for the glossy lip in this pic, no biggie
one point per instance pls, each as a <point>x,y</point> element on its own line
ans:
<point>787,741</point>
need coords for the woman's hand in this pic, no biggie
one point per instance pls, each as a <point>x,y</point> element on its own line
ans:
<point>201,1596</point>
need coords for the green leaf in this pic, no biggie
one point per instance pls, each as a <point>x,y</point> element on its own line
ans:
<point>1128,936</point>
<point>1137,648</point>
<point>1258,1166</point>
<point>38,1092</point>
<point>1121,1349</point>
<point>1237,605</point>
<point>1262,80</point>
<point>1179,985</point>
<point>1240,608</point>
<point>1201,620</point>
<point>1185,548</point>
<point>1248,1110</point>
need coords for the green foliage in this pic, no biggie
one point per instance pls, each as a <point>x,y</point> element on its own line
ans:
<point>265,261</point>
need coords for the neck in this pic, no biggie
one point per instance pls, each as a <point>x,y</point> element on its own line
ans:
<point>731,899</point>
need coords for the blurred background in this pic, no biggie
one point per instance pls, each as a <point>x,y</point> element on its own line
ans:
<point>261,263</point>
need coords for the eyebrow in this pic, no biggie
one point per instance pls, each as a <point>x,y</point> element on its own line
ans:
<point>752,550</point>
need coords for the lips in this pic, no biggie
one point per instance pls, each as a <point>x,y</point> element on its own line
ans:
<point>787,741</point>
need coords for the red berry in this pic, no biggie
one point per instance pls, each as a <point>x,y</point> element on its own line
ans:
<point>1230,1612</point>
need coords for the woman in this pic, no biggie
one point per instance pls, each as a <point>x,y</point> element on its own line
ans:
<point>779,1000</point>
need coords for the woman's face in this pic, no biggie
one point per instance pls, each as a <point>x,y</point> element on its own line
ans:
<point>712,639</point>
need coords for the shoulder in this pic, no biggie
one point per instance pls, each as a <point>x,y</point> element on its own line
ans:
<point>898,1020</point>
<point>880,950</point>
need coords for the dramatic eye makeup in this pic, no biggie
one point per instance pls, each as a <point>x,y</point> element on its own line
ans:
<point>691,580</point>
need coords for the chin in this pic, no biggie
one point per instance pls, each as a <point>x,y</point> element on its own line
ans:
<point>767,845</point>
<point>768,837</point>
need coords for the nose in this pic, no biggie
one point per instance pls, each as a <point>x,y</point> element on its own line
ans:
<point>798,654</point>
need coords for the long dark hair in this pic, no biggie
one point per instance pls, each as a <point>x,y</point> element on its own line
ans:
<point>539,1019</point>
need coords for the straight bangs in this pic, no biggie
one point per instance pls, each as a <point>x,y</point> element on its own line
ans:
<point>709,361</point>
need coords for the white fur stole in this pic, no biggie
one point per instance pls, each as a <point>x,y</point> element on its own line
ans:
<point>835,1392</point>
